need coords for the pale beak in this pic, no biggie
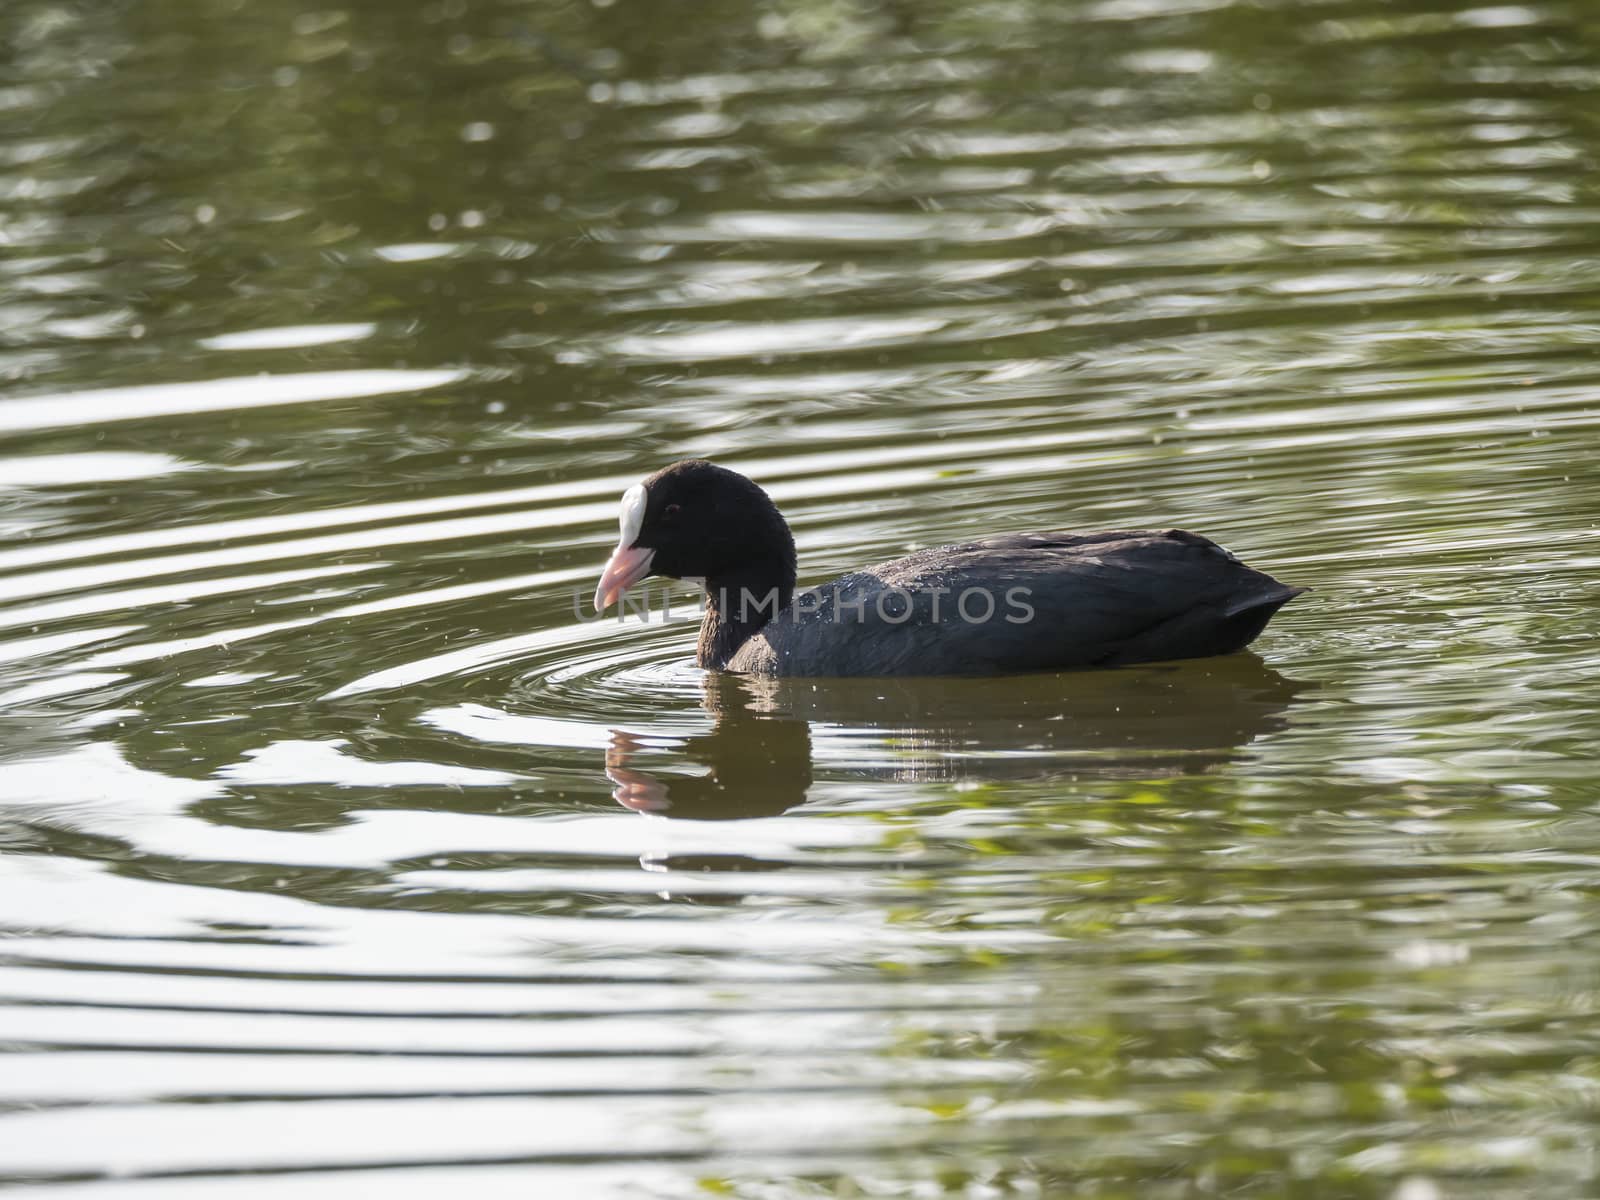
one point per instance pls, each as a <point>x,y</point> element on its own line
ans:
<point>626,566</point>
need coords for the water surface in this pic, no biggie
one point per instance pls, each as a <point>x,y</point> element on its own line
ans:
<point>340,855</point>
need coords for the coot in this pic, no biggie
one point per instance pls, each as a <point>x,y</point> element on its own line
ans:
<point>1003,605</point>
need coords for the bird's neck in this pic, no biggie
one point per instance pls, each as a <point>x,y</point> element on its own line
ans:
<point>738,604</point>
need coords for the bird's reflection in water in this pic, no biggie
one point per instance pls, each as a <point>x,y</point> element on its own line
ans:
<point>1139,722</point>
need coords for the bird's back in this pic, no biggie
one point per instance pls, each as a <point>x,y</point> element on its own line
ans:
<point>1022,602</point>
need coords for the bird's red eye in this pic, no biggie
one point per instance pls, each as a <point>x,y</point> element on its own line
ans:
<point>671,511</point>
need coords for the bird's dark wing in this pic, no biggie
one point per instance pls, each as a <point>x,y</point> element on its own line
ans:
<point>1021,602</point>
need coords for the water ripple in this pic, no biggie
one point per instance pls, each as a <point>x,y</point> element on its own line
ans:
<point>342,851</point>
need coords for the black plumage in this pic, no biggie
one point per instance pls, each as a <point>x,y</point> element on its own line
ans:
<point>1002,605</point>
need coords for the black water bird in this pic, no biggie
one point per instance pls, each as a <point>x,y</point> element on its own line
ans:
<point>1003,605</point>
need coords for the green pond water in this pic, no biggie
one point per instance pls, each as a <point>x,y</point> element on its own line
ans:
<point>339,857</point>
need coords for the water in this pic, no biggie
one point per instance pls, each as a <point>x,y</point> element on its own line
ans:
<point>339,857</point>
